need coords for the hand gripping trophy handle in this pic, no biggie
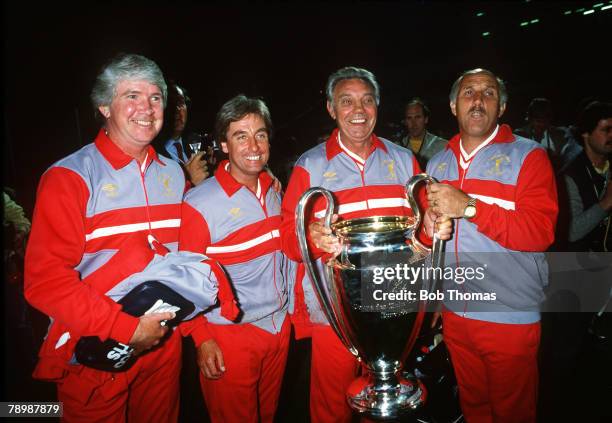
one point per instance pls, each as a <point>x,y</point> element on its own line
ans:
<point>325,291</point>
<point>436,249</point>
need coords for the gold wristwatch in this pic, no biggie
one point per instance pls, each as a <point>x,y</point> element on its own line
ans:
<point>470,209</point>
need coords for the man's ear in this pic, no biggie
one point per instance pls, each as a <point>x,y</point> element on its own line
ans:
<point>453,107</point>
<point>502,109</point>
<point>105,111</point>
<point>224,147</point>
<point>585,138</point>
<point>330,110</point>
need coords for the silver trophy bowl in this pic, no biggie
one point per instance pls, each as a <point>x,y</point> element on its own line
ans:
<point>379,333</point>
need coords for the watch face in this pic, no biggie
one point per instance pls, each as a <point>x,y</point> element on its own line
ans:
<point>470,211</point>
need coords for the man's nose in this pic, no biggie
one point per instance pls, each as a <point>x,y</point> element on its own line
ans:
<point>252,144</point>
<point>359,105</point>
<point>146,105</point>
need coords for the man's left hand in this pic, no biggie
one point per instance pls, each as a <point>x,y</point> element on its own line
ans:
<point>197,168</point>
<point>446,200</point>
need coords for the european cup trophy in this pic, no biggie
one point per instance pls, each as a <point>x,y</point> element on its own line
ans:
<point>379,333</point>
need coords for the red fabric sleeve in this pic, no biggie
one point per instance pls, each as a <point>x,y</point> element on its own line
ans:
<point>197,328</point>
<point>299,183</point>
<point>194,234</point>
<point>55,248</point>
<point>531,225</point>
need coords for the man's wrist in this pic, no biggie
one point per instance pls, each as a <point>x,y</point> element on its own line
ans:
<point>469,211</point>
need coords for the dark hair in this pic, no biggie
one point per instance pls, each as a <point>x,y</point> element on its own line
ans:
<point>235,109</point>
<point>176,96</point>
<point>416,101</point>
<point>540,108</point>
<point>590,116</point>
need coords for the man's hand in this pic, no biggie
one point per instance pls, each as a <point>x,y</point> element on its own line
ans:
<point>211,158</point>
<point>149,331</point>
<point>446,200</point>
<point>197,168</point>
<point>210,359</point>
<point>322,238</point>
<point>441,225</point>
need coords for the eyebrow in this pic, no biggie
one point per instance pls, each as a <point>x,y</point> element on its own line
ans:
<point>133,91</point>
<point>472,86</point>
<point>241,131</point>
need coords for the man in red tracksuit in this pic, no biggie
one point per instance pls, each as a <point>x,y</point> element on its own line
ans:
<point>102,214</point>
<point>501,190</point>
<point>367,175</point>
<point>234,218</point>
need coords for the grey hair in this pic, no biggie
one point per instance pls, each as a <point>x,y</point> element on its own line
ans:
<point>235,109</point>
<point>125,67</point>
<point>501,85</point>
<point>351,72</point>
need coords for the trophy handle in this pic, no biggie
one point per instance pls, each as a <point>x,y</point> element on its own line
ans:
<point>436,249</point>
<point>326,289</point>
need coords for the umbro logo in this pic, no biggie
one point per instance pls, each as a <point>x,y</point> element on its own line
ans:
<point>110,190</point>
<point>235,212</point>
<point>330,176</point>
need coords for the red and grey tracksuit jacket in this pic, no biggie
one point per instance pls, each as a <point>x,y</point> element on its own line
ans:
<point>374,187</point>
<point>516,201</point>
<point>98,213</point>
<point>240,229</point>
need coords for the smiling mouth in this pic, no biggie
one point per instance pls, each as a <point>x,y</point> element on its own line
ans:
<point>143,123</point>
<point>253,158</point>
<point>357,121</point>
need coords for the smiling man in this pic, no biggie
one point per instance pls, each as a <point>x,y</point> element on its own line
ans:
<point>95,211</point>
<point>367,175</point>
<point>234,217</point>
<point>500,190</point>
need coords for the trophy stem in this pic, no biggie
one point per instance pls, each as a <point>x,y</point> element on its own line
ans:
<point>385,394</point>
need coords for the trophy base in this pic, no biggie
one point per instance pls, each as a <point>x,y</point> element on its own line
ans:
<point>386,401</point>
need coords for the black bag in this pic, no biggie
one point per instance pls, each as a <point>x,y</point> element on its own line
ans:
<point>113,356</point>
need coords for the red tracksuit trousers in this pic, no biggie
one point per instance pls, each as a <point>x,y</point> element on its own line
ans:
<point>254,366</point>
<point>148,392</point>
<point>496,368</point>
<point>332,370</point>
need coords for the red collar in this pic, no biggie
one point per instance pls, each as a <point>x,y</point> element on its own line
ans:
<point>504,135</point>
<point>332,147</point>
<point>115,156</point>
<point>231,185</point>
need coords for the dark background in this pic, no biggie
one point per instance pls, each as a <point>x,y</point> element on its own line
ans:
<point>284,53</point>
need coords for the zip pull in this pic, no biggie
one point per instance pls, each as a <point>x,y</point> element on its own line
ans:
<point>157,246</point>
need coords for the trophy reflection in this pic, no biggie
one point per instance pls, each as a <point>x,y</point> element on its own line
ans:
<point>380,330</point>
